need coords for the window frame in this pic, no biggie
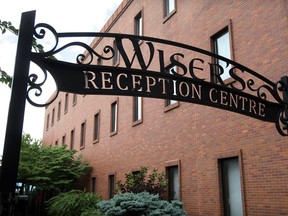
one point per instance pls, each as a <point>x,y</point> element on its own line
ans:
<point>111,185</point>
<point>167,14</point>
<point>96,131</point>
<point>219,158</point>
<point>63,139</point>
<point>47,121</point>
<point>167,102</point>
<point>74,99</point>
<point>66,103</point>
<point>116,57</point>
<point>59,111</point>
<point>136,117</point>
<point>138,24</point>
<point>94,184</point>
<point>227,29</point>
<point>114,117</point>
<point>170,164</point>
<point>82,134</point>
<point>99,61</point>
<point>72,138</point>
<point>53,116</point>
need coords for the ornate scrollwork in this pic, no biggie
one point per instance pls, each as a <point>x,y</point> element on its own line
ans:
<point>88,51</point>
<point>282,122</point>
<point>81,57</point>
<point>36,87</point>
<point>263,89</point>
<point>86,57</point>
<point>41,33</point>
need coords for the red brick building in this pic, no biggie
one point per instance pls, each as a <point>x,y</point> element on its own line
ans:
<point>210,155</point>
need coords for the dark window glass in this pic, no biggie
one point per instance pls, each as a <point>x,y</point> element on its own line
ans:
<point>64,140</point>
<point>111,186</point>
<point>66,102</point>
<point>53,116</point>
<point>96,127</point>
<point>47,121</point>
<point>116,54</point>
<point>74,99</point>
<point>59,110</point>
<point>72,138</point>
<point>93,184</point>
<point>82,137</point>
<point>173,183</point>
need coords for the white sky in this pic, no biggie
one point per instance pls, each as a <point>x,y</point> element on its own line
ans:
<point>64,16</point>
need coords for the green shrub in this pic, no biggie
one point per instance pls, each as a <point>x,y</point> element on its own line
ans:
<point>140,204</point>
<point>73,203</point>
<point>137,183</point>
<point>92,212</point>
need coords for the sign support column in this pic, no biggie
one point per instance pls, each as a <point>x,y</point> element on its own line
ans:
<point>12,144</point>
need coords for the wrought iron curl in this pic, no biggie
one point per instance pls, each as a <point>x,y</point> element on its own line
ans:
<point>42,33</point>
<point>91,52</point>
<point>36,87</point>
<point>261,90</point>
<point>281,88</point>
<point>282,122</point>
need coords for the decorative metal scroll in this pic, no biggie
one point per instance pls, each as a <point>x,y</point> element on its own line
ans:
<point>143,72</point>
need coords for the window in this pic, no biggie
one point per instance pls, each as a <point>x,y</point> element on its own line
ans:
<point>82,137</point>
<point>47,122</point>
<point>114,116</point>
<point>169,102</point>
<point>72,139</point>
<point>231,187</point>
<point>64,139</point>
<point>169,7</point>
<point>221,46</point>
<point>53,116</point>
<point>74,99</point>
<point>93,184</point>
<point>137,109</point>
<point>138,24</point>
<point>111,179</point>
<point>56,143</point>
<point>66,103</point>
<point>135,173</point>
<point>99,61</point>
<point>96,127</point>
<point>59,110</point>
<point>116,54</point>
<point>173,183</point>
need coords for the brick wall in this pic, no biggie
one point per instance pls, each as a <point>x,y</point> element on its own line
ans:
<point>197,136</point>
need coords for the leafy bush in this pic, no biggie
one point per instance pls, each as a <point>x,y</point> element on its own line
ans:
<point>92,212</point>
<point>137,183</point>
<point>73,203</point>
<point>141,204</point>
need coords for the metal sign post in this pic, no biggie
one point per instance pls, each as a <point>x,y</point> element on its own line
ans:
<point>15,119</point>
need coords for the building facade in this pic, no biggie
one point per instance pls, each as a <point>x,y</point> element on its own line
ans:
<point>218,162</point>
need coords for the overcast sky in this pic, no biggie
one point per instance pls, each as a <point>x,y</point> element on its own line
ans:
<point>64,16</point>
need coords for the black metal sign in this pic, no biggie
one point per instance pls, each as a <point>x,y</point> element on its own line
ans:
<point>143,72</point>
